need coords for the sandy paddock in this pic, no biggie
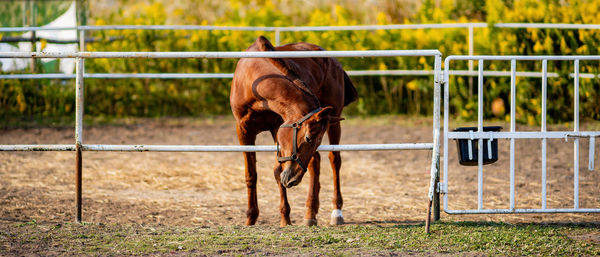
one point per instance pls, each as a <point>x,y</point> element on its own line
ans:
<point>208,189</point>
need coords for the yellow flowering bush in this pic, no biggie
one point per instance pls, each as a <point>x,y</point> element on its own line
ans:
<point>404,94</point>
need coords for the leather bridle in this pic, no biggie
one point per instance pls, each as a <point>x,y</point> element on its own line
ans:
<point>296,126</point>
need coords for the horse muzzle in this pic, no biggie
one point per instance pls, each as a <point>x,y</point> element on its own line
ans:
<point>287,180</point>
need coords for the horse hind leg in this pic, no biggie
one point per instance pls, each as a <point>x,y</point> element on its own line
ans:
<point>335,159</point>
<point>248,138</point>
<point>312,201</point>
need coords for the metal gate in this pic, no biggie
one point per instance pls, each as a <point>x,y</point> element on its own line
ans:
<point>513,134</point>
<point>79,146</point>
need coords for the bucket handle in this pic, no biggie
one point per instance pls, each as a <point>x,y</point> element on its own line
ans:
<point>471,145</point>
<point>591,156</point>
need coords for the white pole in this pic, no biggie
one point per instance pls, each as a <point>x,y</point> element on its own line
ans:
<point>277,38</point>
<point>480,141</point>
<point>513,99</point>
<point>79,99</point>
<point>576,141</point>
<point>544,94</point>
<point>470,61</point>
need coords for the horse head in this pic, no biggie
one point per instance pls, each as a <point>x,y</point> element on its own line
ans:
<point>297,143</point>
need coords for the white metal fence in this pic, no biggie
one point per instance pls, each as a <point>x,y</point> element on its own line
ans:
<point>277,34</point>
<point>544,134</point>
<point>79,146</point>
<point>439,79</point>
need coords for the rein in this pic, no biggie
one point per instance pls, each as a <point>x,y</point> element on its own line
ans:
<point>296,125</point>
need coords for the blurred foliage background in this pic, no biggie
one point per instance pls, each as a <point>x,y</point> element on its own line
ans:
<point>378,94</point>
<point>11,12</point>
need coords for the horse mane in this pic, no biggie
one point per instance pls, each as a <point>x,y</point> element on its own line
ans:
<point>289,69</point>
<point>286,67</point>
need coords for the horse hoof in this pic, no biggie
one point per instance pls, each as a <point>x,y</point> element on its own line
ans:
<point>284,223</point>
<point>337,218</point>
<point>310,222</point>
<point>337,221</point>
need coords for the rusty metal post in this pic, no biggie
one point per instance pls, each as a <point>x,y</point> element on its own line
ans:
<point>78,180</point>
<point>78,132</point>
<point>436,198</point>
<point>428,219</point>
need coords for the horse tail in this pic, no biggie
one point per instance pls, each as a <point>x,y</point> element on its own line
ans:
<point>350,93</point>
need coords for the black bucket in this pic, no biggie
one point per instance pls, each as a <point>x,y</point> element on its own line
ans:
<point>463,147</point>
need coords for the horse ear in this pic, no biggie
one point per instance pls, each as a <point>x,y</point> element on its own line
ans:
<point>323,114</point>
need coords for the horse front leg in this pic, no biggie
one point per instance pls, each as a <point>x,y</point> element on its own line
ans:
<point>247,138</point>
<point>284,206</point>
<point>334,133</point>
<point>312,201</point>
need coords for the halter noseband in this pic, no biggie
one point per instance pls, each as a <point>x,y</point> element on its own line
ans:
<point>296,125</point>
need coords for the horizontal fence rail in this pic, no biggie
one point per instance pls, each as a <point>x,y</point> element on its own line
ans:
<point>223,55</point>
<point>309,28</point>
<point>508,211</point>
<point>212,148</point>
<point>529,74</point>
<point>521,57</point>
<point>543,134</point>
<point>122,76</point>
<point>522,134</point>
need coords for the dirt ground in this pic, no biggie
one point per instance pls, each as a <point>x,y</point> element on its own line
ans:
<point>208,189</point>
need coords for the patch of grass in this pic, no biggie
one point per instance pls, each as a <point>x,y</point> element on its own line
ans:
<point>446,238</point>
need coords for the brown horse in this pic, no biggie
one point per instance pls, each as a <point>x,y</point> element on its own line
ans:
<point>297,100</point>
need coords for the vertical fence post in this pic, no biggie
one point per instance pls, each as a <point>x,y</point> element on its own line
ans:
<point>446,79</point>
<point>80,71</point>
<point>480,141</point>
<point>81,40</point>
<point>78,132</point>
<point>277,38</point>
<point>470,61</point>
<point>434,192</point>
<point>33,20</point>
<point>576,141</point>
<point>80,14</point>
<point>81,49</point>
<point>544,140</point>
<point>513,100</point>
<point>438,78</point>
